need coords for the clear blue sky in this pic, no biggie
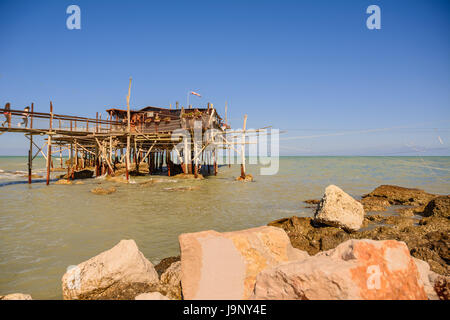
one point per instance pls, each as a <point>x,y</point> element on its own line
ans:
<point>309,67</point>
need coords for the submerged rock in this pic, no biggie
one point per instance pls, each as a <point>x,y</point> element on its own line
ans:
<point>80,174</point>
<point>16,296</point>
<point>338,209</point>
<point>63,181</point>
<point>118,273</point>
<point>356,269</point>
<point>189,176</point>
<point>100,190</point>
<point>247,178</point>
<point>225,265</point>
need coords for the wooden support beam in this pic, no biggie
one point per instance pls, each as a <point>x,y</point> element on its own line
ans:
<point>49,145</point>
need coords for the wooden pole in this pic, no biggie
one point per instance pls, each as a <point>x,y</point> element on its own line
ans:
<point>49,145</point>
<point>30,151</point>
<point>129,130</point>
<point>243,149</point>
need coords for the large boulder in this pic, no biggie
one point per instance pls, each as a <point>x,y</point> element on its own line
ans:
<point>225,265</point>
<point>401,196</point>
<point>356,269</point>
<point>119,273</point>
<point>338,209</point>
<point>16,296</point>
<point>439,207</point>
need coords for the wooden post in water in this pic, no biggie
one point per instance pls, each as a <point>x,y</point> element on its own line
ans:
<point>30,151</point>
<point>243,149</point>
<point>49,144</point>
<point>129,131</point>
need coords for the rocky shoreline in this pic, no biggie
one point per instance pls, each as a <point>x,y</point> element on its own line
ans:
<point>349,250</point>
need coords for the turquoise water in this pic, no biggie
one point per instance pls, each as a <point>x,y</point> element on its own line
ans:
<point>44,229</point>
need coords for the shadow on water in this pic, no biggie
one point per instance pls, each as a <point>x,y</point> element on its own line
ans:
<point>4,184</point>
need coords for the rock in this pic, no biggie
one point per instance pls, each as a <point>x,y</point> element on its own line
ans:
<point>356,269</point>
<point>427,277</point>
<point>170,283</point>
<point>439,206</point>
<point>338,209</point>
<point>224,265</point>
<point>310,237</point>
<point>16,296</point>
<point>63,181</point>
<point>428,241</point>
<point>81,174</point>
<point>151,296</point>
<point>118,273</point>
<point>189,176</point>
<point>312,201</point>
<point>117,178</point>
<point>165,263</point>
<point>374,204</point>
<point>410,211</point>
<point>442,287</point>
<point>401,196</point>
<point>100,190</point>
<point>247,178</point>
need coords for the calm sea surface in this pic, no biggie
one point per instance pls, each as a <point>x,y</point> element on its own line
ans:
<point>44,229</point>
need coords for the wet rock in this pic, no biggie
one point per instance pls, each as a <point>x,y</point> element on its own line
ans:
<point>63,181</point>
<point>247,178</point>
<point>185,188</point>
<point>401,196</point>
<point>374,204</point>
<point>80,174</point>
<point>165,263</point>
<point>151,296</point>
<point>189,176</point>
<point>338,209</point>
<point>170,282</point>
<point>312,201</point>
<point>439,206</point>
<point>103,191</point>
<point>117,178</point>
<point>118,273</point>
<point>16,296</point>
<point>442,287</point>
<point>224,265</point>
<point>356,269</point>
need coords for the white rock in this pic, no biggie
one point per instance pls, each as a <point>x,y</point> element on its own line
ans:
<point>119,273</point>
<point>338,209</point>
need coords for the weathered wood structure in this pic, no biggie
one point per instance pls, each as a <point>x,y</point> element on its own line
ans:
<point>128,141</point>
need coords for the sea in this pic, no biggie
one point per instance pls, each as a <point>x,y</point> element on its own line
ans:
<point>45,229</point>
